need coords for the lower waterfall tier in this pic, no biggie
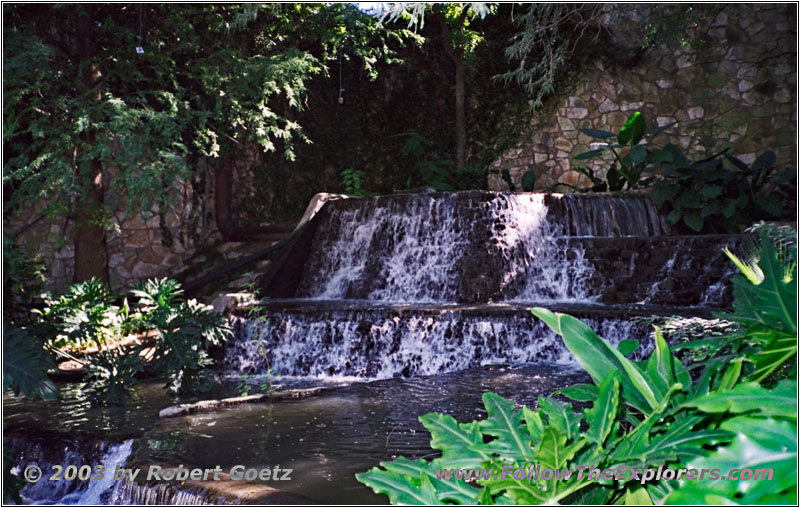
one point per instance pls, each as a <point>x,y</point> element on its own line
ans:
<point>345,339</point>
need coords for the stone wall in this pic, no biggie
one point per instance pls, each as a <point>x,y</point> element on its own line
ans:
<point>736,90</point>
<point>140,245</point>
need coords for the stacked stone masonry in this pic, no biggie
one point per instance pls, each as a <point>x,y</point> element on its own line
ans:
<point>737,91</point>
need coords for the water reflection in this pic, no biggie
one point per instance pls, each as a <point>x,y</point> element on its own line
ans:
<point>325,439</point>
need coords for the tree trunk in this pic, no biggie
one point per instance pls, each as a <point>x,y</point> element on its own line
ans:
<point>461,122</point>
<point>91,255</point>
<point>456,54</point>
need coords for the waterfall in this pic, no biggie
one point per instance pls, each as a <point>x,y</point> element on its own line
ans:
<point>420,284</point>
<point>385,343</point>
<point>464,246</point>
<point>107,490</point>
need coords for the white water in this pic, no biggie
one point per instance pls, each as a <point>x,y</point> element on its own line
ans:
<point>369,345</point>
<point>105,491</point>
<point>422,248</point>
<point>65,492</point>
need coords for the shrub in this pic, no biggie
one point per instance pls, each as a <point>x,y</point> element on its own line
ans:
<point>184,328</point>
<point>642,414</point>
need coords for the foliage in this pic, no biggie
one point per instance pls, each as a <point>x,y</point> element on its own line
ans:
<point>25,364</point>
<point>711,196</point>
<point>432,171</point>
<point>195,89</point>
<point>643,414</point>
<point>184,328</point>
<point>624,169</point>
<point>528,181</point>
<point>353,182</point>
<point>83,316</point>
<point>110,374</point>
<point>23,275</point>
<point>549,36</point>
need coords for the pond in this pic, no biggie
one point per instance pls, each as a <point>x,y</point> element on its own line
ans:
<point>325,439</point>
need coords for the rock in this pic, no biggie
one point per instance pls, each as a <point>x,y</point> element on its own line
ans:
<point>227,302</point>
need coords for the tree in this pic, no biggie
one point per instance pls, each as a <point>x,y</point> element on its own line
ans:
<point>84,113</point>
<point>458,40</point>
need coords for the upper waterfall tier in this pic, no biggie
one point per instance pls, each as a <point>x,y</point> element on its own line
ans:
<point>476,247</point>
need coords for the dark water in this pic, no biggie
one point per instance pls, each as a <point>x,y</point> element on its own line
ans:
<point>325,439</point>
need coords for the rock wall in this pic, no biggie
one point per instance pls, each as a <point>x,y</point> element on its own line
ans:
<point>140,245</point>
<point>736,90</point>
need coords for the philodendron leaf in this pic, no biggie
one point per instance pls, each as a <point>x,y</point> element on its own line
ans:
<point>513,442</point>
<point>447,489</point>
<point>766,447</point>
<point>751,397</point>
<point>603,413</point>
<point>400,488</point>
<point>560,416</point>
<point>461,444</point>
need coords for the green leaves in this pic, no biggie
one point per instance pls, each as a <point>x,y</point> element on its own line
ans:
<point>627,169</point>
<point>603,413</point>
<point>633,130</point>
<point>528,181</point>
<point>25,365</point>
<point>711,196</point>
<point>642,414</point>
<point>751,397</point>
<point>766,447</point>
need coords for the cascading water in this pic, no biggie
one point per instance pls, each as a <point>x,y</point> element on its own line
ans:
<point>382,343</point>
<point>447,247</point>
<point>384,283</point>
<point>106,490</point>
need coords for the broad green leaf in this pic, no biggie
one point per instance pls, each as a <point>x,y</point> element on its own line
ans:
<point>534,425</point>
<point>710,191</point>
<point>580,392</point>
<point>560,417</point>
<point>772,356</point>
<point>637,495</point>
<point>446,489</point>
<point>597,133</point>
<point>660,370</point>
<point>460,443</point>
<point>528,181</point>
<point>746,397</point>
<point>693,219</point>
<point>513,442</point>
<point>588,155</point>
<point>603,413</point>
<point>598,357</point>
<point>627,346</point>
<point>638,154</point>
<point>764,162</point>
<point>633,130</point>
<point>760,445</point>
<point>399,488</point>
<point>731,376</point>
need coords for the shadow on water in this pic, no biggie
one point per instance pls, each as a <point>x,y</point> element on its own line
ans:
<point>325,439</point>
